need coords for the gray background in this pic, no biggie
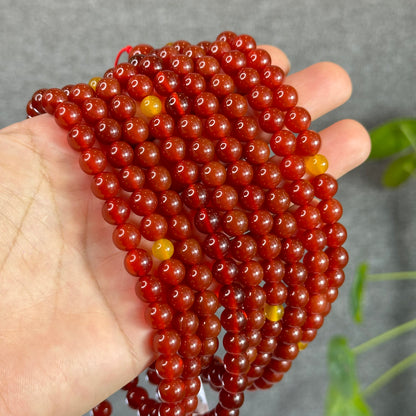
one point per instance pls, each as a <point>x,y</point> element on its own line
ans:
<point>61,42</point>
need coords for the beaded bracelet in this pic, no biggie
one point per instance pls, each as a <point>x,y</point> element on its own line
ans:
<point>203,151</point>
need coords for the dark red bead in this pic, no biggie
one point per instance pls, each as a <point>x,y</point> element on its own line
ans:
<point>285,97</point>
<point>115,211</point>
<point>146,154</point>
<point>126,236</point>
<point>199,277</point>
<point>51,98</point>
<point>221,85</point>
<point>105,185</point>
<point>107,88</point>
<point>135,130</point>
<point>260,97</point>
<point>224,198</point>
<point>158,315</point>
<point>143,202</point>
<point>139,87</point>
<point>92,161</point>
<point>122,107</point>
<point>67,115</point>
<point>108,130</point>
<point>292,167</point>
<point>308,143</point>
<point>285,225</point>
<point>207,66</point>
<point>233,61</point>
<point>251,197</point>
<point>271,120</point>
<point>272,76</point>
<point>297,119</point>
<point>301,191</point>
<point>331,210</point>
<point>80,92</point>
<point>224,271</point>
<point>120,154</point>
<point>93,110</point>
<point>325,186</point>
<point>283,143</point>
<point>193,84</point>
<point>246,79</point>
<point>102,409</point>
<point>189,127</point>
<point>235,222</point>
<point>258,58</point>
<point>131,178</point>
<point>186,323</point>
<point>179,227</point>
<point>267,175</point>
<point>169,367</point>
<point>189,251</point>
<point>239,173</point>
<point>245,128</point>
<point>182,64</point>
<point>138,262</point>
<point>277,200</point>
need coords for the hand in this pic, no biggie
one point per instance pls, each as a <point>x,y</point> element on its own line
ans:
<point>72,330</point>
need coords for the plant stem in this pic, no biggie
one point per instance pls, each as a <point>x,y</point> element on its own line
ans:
<point>385,336</point>
<point>391,276</point>
<point>390,374</point>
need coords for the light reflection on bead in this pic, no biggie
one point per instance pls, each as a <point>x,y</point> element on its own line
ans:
<point>273,312</point>
<point>93,82</point>
<point>163,249</point>
<point>151,106</point>
<point>316,165</point>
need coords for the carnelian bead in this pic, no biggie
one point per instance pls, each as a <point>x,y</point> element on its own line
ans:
<point>283,143</point>
<point>190,346</point>
<point>294,316</point>
<point>81,137</point>
<point>273,270</point>
<point>233,61</point>
<point>189,127</point>
<point>182,64</point>
<point>201,150</point>
<point>115,211</point>
<point>297,119</point>
<point>151,106</point>
<point>166,342</point>
<point>179,227</point>
<point>292,250</point>
<point>206,304</point>
<point>307,217</point>
<point>221,85</point>
<point>260,222</point>
<point>216,245</point>
<point>67,115</point>
<point>131,178</point>
<point>257,152</point>
<point>271,120</point>
<point>316,262</point>
<point>171,271</point>
<point>224,271</point>
<point>94,109</point>
<point>207,66</point>
<point>233,320</point>
<point>316,165</point>
<point>209,326</point>
<point>234,105</point>
<point>254,301</point>
<point>153,227</point>
<point>217,126</point>
<point>243,247</point>
<point>231,296</point>
<point>258,58</point>
<point>251,197</point>
<point>228,150</point>
<point>338,257</point>
<point>166,53</point>
<point>336,234</point>
<point>295,273</point>
<point>185,172</point>
<point>236,363</point>
<point>143,201</point>
<point>268,246</point>
<point>292,167</point>
<point>180,297</point>
<point>92,161</point>
<point>173,149</point>
<point>51,98</point>
<point>325,186</point>
<point>123,72</point>
<point>331,210</point>
<point>146,154</point>
<point>171,391</point>
<point>158,178</point>
<point>224,198</point>
<point>166,82</point>
<point>234,383</point>
<point>301,191</point>
<point>285,97</point>
<point>149,65</point>
<point>186,323</point>
<point>297,295</point>
<point>285,225</point>
<point>235,343</point>
<point>245,128</point>
<point>291,335</point>
<point>313,240</point>
<point>308,143</point>
<point>193,84</point>
<point>276,293</point>
<point>105,185</point>
<point>267,175</point>
<point>195,196</point>
<point>139,86</point>
<point>213,174</point>
<point>158,315</point>
<point>170,203</point>
<point>244,43</point>
<point>260,97</point>
<point>314,321</point>
<point>169,367</point>
<point>198,277</point>
<point>250,273</point>
<point>207,220</point>
<point>189,251</point>
<point>161,126</point>
<point>205,104</point>
<point>235,222</point>
<point>126,237</point>
<point>138,262</point>
<point>218,48</point>
<point>107,88</point>
<point>120,154</point>
<point>102,409</point>
<point>177,104</point>
<point>30,111</point>
<point>246,79</point>
<point>37,100</point>
<point>80,92</point>
<point>286,351</point>
<point>277,200</point>
<point>309,334</point>
<point>240,173</point>
<point>163,249</point>
<point>108,130</point>
<point>316,283</point>
<point>272,76</point>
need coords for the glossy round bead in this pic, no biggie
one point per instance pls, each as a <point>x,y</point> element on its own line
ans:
<point>273,270</point>
<point>102,409</point>
<point>307,217</point>
<point>94,109</point>
<point>120,154</point>
<point>297,119</point>
<point>250,273</point>
<point>308,143</point>
<point>243,247</point>
<point>153,227</point>
<point>166,82</point>
<point>207,66</point>
<point>235,223</point>
<point>158,178</point>
<point>224,198</point>
<point>182,64</point>
<point>205,104</point>
<point>131,178</point>
<point>292,167</point>
<point>209,324</point>
<point>258,58</point>
<point>218,48</point>
<point>338,257</point>
<point>143,202</point>
<point>81,137</point>
<point>189,127</point>
<point>186,323</point>
<point>166,342</point>
<point>105,185</point>
<point>301,192</point>
<point>272,76</point>
<point>171,391</point>
<point>169,367</point>
<point>260,97</point>
<point>139,86</point>
<point>325,186</point>
<point>151,106</point>
<point>336,234</point>
<point>173,149</point>
<point>228,150</point>
<point>199,277</point>
<point>268,246</point>
<point>92,161</point>
<point>240,173</point>
<point>285,97</point>
<point>195,196</point>
<point>162,249</point>
<point>138,262</point>
<point>170,203</point>
<point>292,250</point>
<point>107,88</point>
<point>146,154</point>
<point>189,251</point>
<point>285,225</point>
<point>217,126</point>
<point>126,237</point>
<point>51,98</point>
<point>115,211</point>
<point>193,84</point>
<point>180,297</point>
<point>277,200</point>
<point>123,72</point>
<point>221,85</point>
<point>316,165</point>
<point>108,130</point>
<point>283,143</point>
<point>213,174</point>
<point>234,105</point>
<point>251,197</point>
<point>216,245</point>
<point>179,227</point>
<point>313,240</point>
<point>161,126</point>
<point>80,92</point>
<point>257,152</point>
<point>331,210</point>
<point>245,128</point>
<point>273,312</point>
<point>67,115</point>
<point>267,175</point>
<point>233,61</point>
<point>149,65</point>
<point>271,120</point>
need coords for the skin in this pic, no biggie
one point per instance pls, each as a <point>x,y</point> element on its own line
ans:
<point>72,330</point>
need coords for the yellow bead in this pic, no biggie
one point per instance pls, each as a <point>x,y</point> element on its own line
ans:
<point>151,106</point>
<point>93,82</point>
<point>274,312</point>
<point>163,249</point>
<point>302,345</point>
<point>317,164</point>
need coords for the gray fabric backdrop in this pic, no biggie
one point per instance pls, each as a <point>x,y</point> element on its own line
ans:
<point>61,42</point>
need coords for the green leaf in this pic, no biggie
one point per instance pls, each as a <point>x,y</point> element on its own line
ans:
<point>357,291</point>
<point>399,170</point>
<point>392,137</point>
<point>344,397</point>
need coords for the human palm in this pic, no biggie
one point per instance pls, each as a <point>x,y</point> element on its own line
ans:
<point>72,330</point>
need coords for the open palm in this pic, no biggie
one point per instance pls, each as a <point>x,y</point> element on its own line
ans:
<point>72,329</point>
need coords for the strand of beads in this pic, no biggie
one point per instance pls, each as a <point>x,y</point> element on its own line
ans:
<point>178,143</point>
